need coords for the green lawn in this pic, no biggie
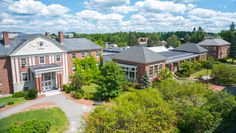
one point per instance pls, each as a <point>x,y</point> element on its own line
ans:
<point>202,72</point>
<point>230,61</point>
<point>55,116</point>
<point>6,100</point>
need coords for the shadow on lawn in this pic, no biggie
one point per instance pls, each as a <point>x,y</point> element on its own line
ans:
<point>228,124</point>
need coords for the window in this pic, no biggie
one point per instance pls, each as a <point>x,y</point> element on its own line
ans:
<point>150,71</point>
<point>73,68</point>
<point>83,54</point>
<point>24,76</point>
<point>23,62</point>
<point>89,54</point>
<point>97,53</point>
<point>129,71</point>
<point>73,55</point>
<point>160,67</point>
<point>155,70</point>
<point>58,58</point>
<point>41,59</point>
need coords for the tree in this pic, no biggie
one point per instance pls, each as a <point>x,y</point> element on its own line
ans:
<point>100,43</point>
<point>115,39</point>
<point>132,40</point>
<point>198,36</point>
<point>165,74</point>
<point>77,80</point>
<point>110,81</point>
<point>173,41</point>
<point>145,80</point>
<point>232,50</point>
<point>140,111</point>
<point>232,27</point>
<point>187,38</point>
<point>154,41</point>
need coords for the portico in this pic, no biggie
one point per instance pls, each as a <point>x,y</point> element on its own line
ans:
<point>47,77</point>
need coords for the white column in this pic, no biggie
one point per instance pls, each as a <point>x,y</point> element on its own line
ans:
<point>50,59</point>
<point>30,61</point>
<point>17,70</point>
<point>53,58</point>
<point>13,70</point>
<point>33,62</point>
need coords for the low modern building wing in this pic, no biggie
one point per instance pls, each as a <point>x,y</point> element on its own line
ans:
<point>217,48</point>
<point>135,61</point>
<point>36,61</point>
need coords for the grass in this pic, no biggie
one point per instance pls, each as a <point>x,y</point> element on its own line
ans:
<point>90,88</point>
<point>6,100</point>
<point>55,116</point>
<point>200,73</point>
<point>230,61</point>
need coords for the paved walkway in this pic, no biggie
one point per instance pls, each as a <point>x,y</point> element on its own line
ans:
<point>74,111</point>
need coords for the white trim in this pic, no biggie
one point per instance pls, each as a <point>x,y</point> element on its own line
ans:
<point>26,75</point>
<point>26,61</point>
<point>30,61</point>
<point>66,64</point>
<point>13,70</point>
<point>63,62</point>
<point>56,57</point>
<point>43,59</point>
<point>53,58</point>
<point>50,59</point>
<point>17,70</point>
<point>33,60</point>
<point>54,69</point>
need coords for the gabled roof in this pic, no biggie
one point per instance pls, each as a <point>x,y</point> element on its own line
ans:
<point>191,47</point>
<point>139,54</point>
<point>213,42</point>
<point>79,44</point>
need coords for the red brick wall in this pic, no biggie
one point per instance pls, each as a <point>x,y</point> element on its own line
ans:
<point>6,76</point>
<point>223,51</point>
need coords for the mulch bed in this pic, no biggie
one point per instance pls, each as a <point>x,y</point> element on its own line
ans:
<point>216,87</point>
<point>80,101</point>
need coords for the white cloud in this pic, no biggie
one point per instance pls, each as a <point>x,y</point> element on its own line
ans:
<point>33,7</point>
<point>122,9</point>
<point>165,6</point>
<point>106,3</point>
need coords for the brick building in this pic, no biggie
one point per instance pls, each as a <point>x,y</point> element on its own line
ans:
<point>36,61</point>
<point>137,60</point>
<point>217,48</point>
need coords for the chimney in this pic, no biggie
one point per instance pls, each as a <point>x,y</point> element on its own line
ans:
<point>5,38</point>
<point>60,37</point>
<point>47,34</point>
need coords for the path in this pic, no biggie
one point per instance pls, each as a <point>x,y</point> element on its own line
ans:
<point>74,111</point>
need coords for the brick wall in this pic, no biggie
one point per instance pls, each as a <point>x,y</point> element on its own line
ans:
<point>6,85</point>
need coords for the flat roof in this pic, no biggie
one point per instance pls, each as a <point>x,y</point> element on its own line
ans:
<point>44,67</point>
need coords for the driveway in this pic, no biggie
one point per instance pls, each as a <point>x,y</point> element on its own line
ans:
<point>74,111</point>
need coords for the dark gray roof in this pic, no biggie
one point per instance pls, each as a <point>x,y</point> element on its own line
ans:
<point>139,54</point>
<point>174,56</point>
<point>43,66</point>
<point>191,47</point>
<point>213,42</point>
<point>79,44</point>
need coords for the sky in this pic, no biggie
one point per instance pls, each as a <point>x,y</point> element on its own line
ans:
<point>106,16</point>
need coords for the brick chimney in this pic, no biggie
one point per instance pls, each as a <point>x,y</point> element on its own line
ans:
<point>5,38</point>
<point>47,34</point>
<point>60,37</point>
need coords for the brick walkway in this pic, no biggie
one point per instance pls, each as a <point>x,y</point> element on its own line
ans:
<point>74,111</point>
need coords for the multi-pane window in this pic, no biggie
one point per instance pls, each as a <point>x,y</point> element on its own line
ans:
<point>73,55</point>
<point>97,53</point>
<point>129,71</point>
<point>89,54</point>
<point>24,76</point>
<point>150,71</point>
<point>155,70</point>
<point>23,61</point>
<point>83,54</point>
<point>73,68</point>
<point>160,67</point>
<point>41,59</point>
<point>58,58</point>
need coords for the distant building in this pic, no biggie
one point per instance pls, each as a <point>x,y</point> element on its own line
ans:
<point>143,40</point>
<point>137,60</point>
<point>217,48</point>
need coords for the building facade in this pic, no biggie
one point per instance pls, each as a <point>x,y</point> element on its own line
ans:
<point>37,61</point>
<point>138,60</point>
<point>217,48</point>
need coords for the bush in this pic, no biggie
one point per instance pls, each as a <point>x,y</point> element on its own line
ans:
<point>224,74</point>
<point>68,88</point>
<point>19,94</point>
<point>79,94</point>
<point>88,95</point>
<point>32,126</point>
<point>10,103</point>
<point>224,60</point>
<point>31,94</point>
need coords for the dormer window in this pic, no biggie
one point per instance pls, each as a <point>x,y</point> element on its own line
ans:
<point>23,62</point>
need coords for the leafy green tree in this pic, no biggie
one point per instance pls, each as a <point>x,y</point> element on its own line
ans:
<point>154,41</point>
<point>100,43</point>
<point>173,41</point>
<point>132,40</point>
<point>115,39</point>
<point>145,80</point>
<point>232,52</point>
<point>77,80</point>
<point>198,36</point>
<point>110,81</point>
<point>187,68</point>
<point>140,111</point>
<point>165,74</point>
<point>187,38</point>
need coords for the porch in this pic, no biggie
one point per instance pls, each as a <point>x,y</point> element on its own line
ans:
<point>47,77</point>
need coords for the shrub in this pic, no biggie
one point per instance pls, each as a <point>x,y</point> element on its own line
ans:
<point>10,103</point>
<point>69,88</point>
<point>32,126</point>
<point>31,94</point>
<point>19,94</point>
<point>88,95</point>
<point>73,94</point>
<point>79,94</point>
<point>64,87</point>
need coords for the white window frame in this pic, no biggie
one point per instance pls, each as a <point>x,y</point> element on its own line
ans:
<point>83,54</point>
<point>43,59</point>
<point>89,53</point>
<point>129,69</point>
<point>156,70</point>
<point>73,55</point>
<point>73,68</point>
<point>26,76</point>
<point>26,63</point>
<point>150,76</point>
<point>59,58</point>
<point>97,53</point>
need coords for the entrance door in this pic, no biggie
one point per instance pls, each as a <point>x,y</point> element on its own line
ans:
<point>47,81</point>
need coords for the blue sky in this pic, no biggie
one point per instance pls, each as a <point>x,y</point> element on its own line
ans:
<point>102,16</point>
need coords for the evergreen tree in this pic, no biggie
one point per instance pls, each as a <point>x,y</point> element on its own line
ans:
<point>232,52</point>
<point>232,27</point>
<point>133,40</point>
<point>173,41</point>
<point>187,38</point>
<point>154,41</point>
<point>145,80</point>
